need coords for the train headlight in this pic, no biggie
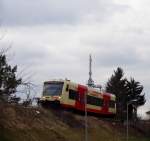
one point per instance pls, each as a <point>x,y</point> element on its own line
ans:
<point>56,97</point>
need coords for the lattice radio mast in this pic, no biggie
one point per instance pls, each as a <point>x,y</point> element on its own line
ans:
<point>90,81</point>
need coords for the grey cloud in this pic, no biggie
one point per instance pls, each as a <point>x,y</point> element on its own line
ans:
<point>117,59</point>
<point>32,12</point>
<point>30,55</point>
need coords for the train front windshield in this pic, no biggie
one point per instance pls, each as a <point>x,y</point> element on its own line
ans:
<point>52,89</point>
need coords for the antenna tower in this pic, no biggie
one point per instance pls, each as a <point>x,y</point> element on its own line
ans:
<point>90,81</point>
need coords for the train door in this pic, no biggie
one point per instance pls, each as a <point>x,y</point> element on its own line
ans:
<point>105,107</point>
<point>80,101</point>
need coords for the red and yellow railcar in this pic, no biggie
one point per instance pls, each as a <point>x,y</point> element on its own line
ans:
<point>72,95</point>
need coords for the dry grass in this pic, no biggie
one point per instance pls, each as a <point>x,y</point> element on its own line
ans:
<point>20,123</point>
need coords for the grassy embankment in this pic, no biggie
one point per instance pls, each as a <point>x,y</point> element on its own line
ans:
<point>18,123</point>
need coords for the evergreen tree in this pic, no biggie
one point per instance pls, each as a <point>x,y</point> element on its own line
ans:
<point>135,93</point>
<point>8,80</point>
<point>117,85</point>
<point>126,92</point>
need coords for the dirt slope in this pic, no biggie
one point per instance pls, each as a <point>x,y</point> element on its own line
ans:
<point>18,123</point>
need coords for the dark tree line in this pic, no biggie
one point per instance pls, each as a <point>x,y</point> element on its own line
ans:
<point>128,93</point>
<point>8,80</point>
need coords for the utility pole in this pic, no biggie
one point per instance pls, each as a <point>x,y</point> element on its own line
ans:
<point>86,124</point>
<point>127,123</point>
<point>127,128</point>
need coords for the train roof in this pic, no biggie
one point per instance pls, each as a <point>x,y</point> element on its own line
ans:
<point>54,80</point>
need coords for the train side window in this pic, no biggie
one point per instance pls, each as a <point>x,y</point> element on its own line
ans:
<point>101,102</point>
<point>94,101</point>
<point>112,104</point>
<point>67,88</point>
<point>73,94</point>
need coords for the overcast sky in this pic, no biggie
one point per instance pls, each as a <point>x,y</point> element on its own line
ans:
<point>53,38</point>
